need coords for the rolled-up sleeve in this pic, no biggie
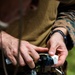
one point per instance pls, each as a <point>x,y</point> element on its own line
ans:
<point>67,1</point>
<point>67,20</point>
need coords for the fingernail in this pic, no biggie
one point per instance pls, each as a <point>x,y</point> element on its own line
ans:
<point>51,53</point>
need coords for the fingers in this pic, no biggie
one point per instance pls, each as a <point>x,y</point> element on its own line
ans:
<point>12,59</point>
<point>21,60</point>
<point>58,47</point>
<point>62,57</point>
<point>34,54</point>
<point>27,55</point>
<point>10,56</point>
<point>40,49</point>
<point>24,58</point>
<point>52,49</point>
<point>15,58</point>
<point>28,59</point>
<point>52,46</point>
<point>60,61</point>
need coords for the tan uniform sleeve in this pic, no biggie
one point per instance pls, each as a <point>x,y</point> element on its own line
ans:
<point>67,20</point>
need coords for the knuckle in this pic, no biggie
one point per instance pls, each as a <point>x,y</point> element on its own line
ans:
<point>29,60</point>
<point>9,55</point>
<point>14,52</point>
<point>37,57</point>
<point>22,64</point>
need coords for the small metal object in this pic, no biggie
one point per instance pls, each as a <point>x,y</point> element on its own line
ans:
<point>33,72</point>
<point>3,24</point>
<point>62,73</point>
<point>8,61</point>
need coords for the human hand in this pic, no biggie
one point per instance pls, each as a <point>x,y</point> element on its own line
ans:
<point>57,46</point>
<point>28,52</point>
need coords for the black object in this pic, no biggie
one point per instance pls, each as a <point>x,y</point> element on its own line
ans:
<point>45,60</point>
<point>63,35</point>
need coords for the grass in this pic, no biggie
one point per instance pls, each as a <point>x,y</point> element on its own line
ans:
<point>71,62</point>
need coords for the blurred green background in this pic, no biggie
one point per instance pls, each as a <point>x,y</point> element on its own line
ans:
<point>71,62</point>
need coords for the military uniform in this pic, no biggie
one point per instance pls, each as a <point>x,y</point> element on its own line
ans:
<point>37,24</point>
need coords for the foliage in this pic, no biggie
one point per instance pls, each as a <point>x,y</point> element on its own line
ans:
<point>71,62</point>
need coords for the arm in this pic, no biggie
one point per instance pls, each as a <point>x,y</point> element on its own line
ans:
<point>66,20</point>
<point>66,23</point>
<point>28,52</point>
<point>67,1</point>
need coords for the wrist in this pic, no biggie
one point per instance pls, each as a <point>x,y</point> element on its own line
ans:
<point>64,30</point>
<point>61,33</point>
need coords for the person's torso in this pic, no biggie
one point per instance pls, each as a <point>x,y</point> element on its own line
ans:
<point>37,24</point>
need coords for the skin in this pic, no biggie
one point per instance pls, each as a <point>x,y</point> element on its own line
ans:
<point>29,53</point>
<point>57,46</point>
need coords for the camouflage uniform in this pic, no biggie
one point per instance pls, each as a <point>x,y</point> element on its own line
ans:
<point>66,17</point>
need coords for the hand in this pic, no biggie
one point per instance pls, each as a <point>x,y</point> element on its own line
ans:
<point>28,52</point>
<point>57,46</point>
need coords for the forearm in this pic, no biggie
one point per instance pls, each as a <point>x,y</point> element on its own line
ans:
<point>66,23</point>
<point>3,26</point>
<point>67,1</point>
<point>4,37</point>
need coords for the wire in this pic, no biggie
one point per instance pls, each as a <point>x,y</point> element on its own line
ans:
<point>2,27</point>
<point>19,33</point>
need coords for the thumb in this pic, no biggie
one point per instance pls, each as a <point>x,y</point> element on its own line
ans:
<point>52,50</point>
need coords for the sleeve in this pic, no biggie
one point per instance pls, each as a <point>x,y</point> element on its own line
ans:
<point>67,20</point>
<point>3,25</point>
<point>67,1</point>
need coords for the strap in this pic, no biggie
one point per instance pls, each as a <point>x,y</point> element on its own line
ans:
<point>59,31</point>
